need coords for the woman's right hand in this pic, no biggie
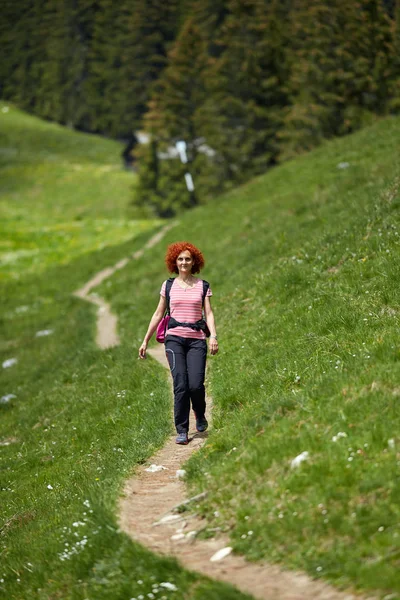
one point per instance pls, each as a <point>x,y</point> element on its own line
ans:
<point>142,350</point>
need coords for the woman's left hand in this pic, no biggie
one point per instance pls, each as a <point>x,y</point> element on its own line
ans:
<point>213,346</point>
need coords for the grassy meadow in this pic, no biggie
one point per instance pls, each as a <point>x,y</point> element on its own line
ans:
<point>74,420</point>
<point>62,195</point>
<point>304,266</point>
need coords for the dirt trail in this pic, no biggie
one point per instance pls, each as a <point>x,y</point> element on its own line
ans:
<point>147,508</point>
<point>107,336</point>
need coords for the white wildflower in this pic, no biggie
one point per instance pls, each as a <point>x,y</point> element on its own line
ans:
<point>341,434</point>
<point>169,586</point>
<point>7,398</point>
<point>343,165</point>
<point>391,444</point>
<point>21,309</point>
<point>180,473</point>
<point>43,332</point>
<point>9,362</point>
<point>49,487</point>
<point>299,459</point>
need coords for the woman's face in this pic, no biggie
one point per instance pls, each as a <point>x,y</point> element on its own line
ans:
<point>185,262</point>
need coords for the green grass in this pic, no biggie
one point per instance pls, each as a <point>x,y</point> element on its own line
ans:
<point>75,421</point>
<point>80,421</point>
<point>62,194</point>
<point>304,266</point>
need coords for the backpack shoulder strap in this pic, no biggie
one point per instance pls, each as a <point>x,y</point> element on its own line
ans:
<point>206,285</point>
<point>168,285</point>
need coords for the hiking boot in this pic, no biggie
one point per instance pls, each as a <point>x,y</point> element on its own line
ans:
<point>182,438</point>
<point>201,424</point>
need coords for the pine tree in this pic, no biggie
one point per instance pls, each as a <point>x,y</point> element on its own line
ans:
<point>172,116</point>
<point>209,16</point>
<point>246,92</point>
<point>394,94</point>
<point>127,56</point>
<point>23,50</point>
<point>339,72</point>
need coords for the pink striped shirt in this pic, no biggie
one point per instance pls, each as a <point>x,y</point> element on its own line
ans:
<point>186,307</point>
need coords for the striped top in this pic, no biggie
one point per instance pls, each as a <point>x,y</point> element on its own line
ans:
<point>186,307</point>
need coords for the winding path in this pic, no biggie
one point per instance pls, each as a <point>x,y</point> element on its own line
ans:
<point>149,506</point>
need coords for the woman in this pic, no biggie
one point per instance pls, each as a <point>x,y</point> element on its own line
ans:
<point>185,346</point>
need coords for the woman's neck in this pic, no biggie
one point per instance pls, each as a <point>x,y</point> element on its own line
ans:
<point>185,277</point>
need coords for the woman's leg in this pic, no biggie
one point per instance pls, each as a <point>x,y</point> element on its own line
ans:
<point>176,350</point>
<point>196,369</point>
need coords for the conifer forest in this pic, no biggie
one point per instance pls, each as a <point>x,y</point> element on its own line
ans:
<point>246,84</point>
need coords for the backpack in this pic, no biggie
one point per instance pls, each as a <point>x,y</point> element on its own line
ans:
<point>163,325</point>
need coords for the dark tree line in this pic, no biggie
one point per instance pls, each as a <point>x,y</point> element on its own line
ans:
<point>88,64</point>
<point>246,83</point>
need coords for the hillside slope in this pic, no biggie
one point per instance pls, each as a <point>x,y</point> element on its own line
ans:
<point>74,420</point>
<point>62,194</point>
<point>303,263</point>
<point>304,266</point>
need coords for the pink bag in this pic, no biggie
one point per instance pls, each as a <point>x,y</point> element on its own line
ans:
<point>162,329</point>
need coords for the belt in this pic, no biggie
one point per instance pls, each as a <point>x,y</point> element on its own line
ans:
<point>200,325</point>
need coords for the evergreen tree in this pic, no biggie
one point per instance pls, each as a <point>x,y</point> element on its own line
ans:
<point>245,93</point>
<point>340,70</point>
<point>172,116</point>
<point>127,56</point>
<point>394,94</point>
<point>209,16</point>
<point>22,49</point>
<point>67,28</point>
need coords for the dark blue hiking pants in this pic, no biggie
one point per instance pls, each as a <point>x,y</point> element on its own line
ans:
<point>187,362</point>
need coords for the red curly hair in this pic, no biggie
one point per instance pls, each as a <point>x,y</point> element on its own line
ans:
<point>174,250</point>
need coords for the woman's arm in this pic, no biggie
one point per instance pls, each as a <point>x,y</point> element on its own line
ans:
<point>209,315</point>
<point>154,321</point>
